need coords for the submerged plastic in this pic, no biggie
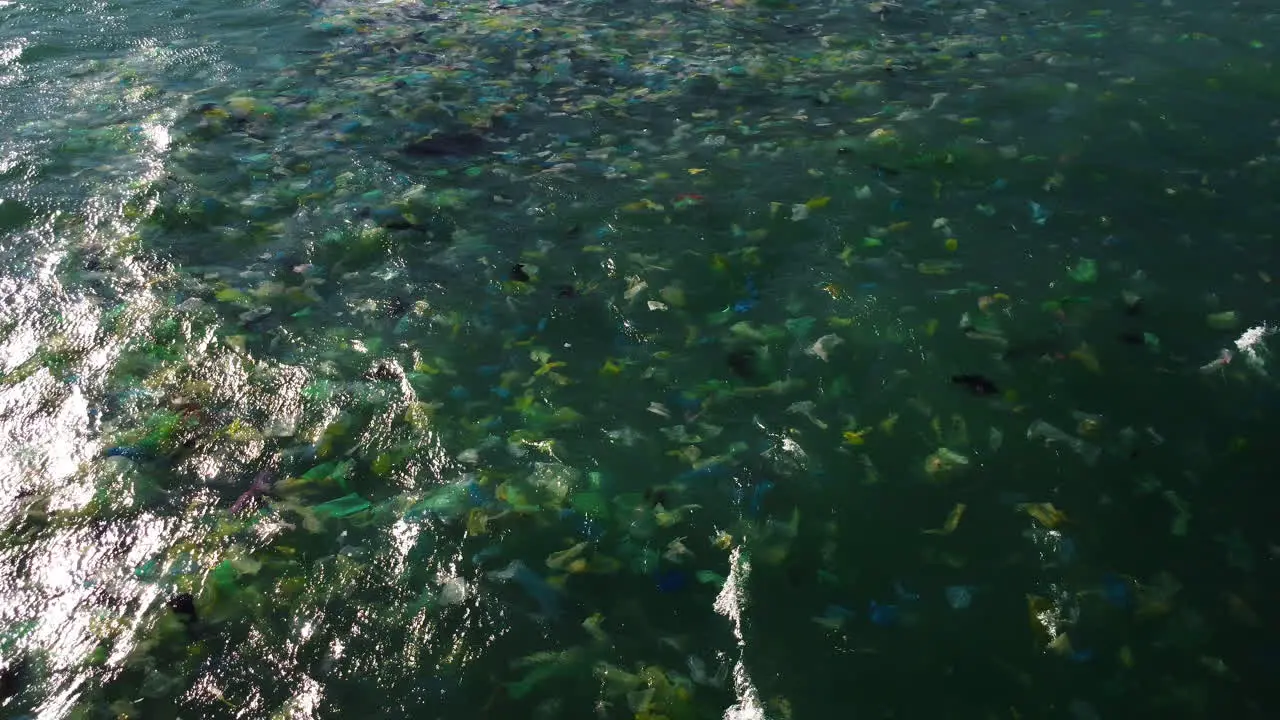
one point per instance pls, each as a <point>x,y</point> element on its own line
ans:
<point>345,506</point>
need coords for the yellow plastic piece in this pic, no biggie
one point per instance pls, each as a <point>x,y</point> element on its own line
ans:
<point>564,558</point>
<point>1044,513</point>
<point>888,424</point>
<point>1087,357</point>
<point>858,437</point>
<point>477,522</point>
<point>952,522</point>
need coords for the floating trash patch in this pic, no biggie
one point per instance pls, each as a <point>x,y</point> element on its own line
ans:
<point>647,360</point>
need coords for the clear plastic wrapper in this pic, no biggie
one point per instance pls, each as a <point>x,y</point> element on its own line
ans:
<point>1043,432</point>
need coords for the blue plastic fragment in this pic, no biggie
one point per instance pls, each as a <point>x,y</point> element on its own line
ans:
<point>753,296</point>
<point>672,580</point>
<point>125,451</point>
<point>685,401</point>
<point>1066,550</point>
<point>586,525</point>
<point>501,392</point>
<point>883,615</point>
<point>386,214</point>
<point>459,393</point>
<point>477,494</point>
<point>547,597</point>
<point>590,528</point>
<point>713,470</point>
<point>757,496</point>
<point>1117,591</point>
<point>1039,215</point>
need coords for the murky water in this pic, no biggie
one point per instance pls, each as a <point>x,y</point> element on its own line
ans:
<point>636,360</point>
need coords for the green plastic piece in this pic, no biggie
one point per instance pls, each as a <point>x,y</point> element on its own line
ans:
<point>1085,271</point>
<point>591,504</point>
<point>344,506</point>
<point>224,575</point>
<point>336,471</point>
<point>447,500</point>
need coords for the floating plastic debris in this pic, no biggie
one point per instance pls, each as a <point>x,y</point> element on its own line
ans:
<point>959,597</point>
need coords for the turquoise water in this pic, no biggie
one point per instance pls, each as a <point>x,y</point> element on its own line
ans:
<point>637,360</point>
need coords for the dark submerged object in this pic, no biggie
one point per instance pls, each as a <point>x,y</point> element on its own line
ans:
<point>976,384</point>
<point>518,274</point>
<point>385,370</point>
<point>1132,337</point>
<point>656,496</point>
<point>13,678</point>
<point>184,606</point>
<point>742,363</point>
<point>446,145</point>
<point>885,170</point>
<point>401,224</point>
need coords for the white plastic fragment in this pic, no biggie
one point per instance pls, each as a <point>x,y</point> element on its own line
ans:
<point>807,408</point>
<point>1050,435</point>
<point>452,592</point>
<point>995,438</point>
<point>822,349</point>
<point>635,286</point>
